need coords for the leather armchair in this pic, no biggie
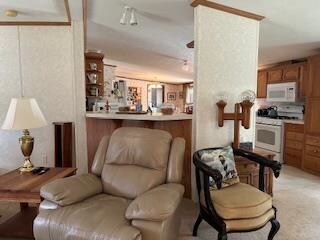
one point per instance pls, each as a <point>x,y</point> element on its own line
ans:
<point>132,193</point>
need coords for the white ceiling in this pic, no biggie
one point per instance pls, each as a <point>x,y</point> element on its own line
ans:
<point>290,30</point>
<point>155,49</point>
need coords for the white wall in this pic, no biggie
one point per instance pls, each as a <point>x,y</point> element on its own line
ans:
<point>52,71</point>
<point>226,50</point>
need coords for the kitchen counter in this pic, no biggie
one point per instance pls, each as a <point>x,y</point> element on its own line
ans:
<point>143,117</point>
<point>294,121</point>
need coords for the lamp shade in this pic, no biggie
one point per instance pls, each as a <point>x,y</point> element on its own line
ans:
<point>24,113</point>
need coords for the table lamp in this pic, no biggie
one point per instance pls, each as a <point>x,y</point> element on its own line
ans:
<point>24,114</point>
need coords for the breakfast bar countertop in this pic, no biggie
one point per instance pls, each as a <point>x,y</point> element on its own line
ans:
<point>144,117</point>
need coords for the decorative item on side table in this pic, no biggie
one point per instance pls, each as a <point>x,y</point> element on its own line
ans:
<point>241,113</point>
<point>24,114</point>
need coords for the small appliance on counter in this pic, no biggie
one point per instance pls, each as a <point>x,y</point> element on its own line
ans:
<point>271,112</point>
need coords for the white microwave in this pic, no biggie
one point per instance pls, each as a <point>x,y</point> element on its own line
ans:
<point>282,92</point>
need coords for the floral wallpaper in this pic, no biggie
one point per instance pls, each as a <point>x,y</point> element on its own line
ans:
<point>52,72</point>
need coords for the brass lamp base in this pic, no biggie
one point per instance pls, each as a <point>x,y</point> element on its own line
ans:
<point>26,142</point>
<point>27,166</point>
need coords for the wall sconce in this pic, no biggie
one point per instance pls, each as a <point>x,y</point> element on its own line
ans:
<point>241,113</point>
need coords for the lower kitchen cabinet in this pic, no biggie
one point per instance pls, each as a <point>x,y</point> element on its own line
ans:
<point>312,154</point>
<point>293,144</point>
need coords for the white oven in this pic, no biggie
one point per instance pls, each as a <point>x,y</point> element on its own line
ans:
<point>269,137</point>
<point>281,92</point>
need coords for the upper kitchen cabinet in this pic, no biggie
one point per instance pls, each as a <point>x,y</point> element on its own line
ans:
<point>291,73</point>
<point>314,77</point>
<point>296,72</point>
<point>286,73</point>
<point>303,80</point>
<point>275,76</point>
<point>262,84</point>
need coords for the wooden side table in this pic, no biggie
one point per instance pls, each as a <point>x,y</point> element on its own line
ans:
<point>248,171</point>
<point>24,188</point>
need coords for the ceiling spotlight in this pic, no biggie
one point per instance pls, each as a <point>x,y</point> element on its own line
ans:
<point>123,19</point>
<point>185,65</point>
<point>133,19</point>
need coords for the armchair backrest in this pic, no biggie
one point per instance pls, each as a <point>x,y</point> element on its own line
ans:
<point>135,160</point>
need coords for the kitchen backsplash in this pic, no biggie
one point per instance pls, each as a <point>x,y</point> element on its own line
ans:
<point>261,103</point>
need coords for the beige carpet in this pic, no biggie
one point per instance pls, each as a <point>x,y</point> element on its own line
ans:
<point>296,195</point>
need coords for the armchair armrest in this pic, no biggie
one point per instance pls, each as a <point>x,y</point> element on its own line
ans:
<point>274,165</point>
<point>67,191</point>
<point>157,204</point>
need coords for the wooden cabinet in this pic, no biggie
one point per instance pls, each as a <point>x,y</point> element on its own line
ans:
<point>313,116</point>
<point>262,84</point>
<point>248,172</point>
<point>291,73</point>
<point>297,72</point>
<point>293,144</point>
<point>303,81</point>
<point>312,142</point>
<point>312,154</point>
<point>285,73</point>
<point>314,74</point>
<point>275,76</point>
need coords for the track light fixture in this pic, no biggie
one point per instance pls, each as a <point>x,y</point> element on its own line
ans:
<point>133,19</point>
<point>124,15</point>
<point>124,18</point>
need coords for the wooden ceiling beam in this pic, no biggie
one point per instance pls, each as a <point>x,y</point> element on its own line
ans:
<point>227,9</point>
<point>190,44</point>
<point>67,8</point>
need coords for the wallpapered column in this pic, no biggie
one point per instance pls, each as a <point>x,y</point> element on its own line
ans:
<point>53,73</point>
<point>226,50</point>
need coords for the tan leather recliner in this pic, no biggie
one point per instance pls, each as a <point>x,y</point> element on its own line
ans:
<point>133,193</point>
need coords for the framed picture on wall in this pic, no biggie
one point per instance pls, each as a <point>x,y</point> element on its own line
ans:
<point>181,95</point>
<point>171,96</point>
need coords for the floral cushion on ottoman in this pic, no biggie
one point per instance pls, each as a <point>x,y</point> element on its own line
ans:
<point>223,161</point>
